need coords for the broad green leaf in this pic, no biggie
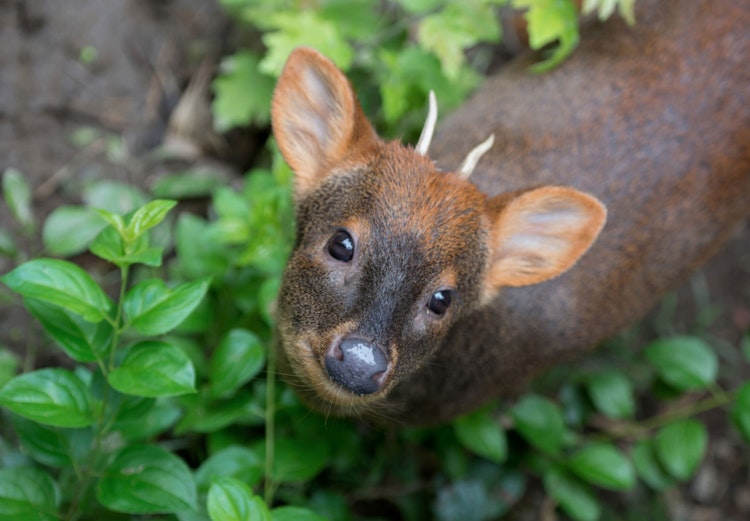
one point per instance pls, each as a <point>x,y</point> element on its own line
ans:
<point>574,497</point>
<point>203,415</point>
<point>152,369</point>
<point>680,447</point>
<point>8,366</point>
<point>235,462</point>
<point>457,26</point>
<point>551,21</point>
<point>481,433</point>
<point>153,309</point>
<point>420,6</point>
<point>17,193</point>
<point>194,182</point>
<point>242,92</point>
<point>60,283</point>
<point>612,394</point>
<point>27,494</point>
<point>52,446</point>
<point>303,28</point>
<point>199,251</point>
<point>49,396</point>
<point>146,217</point>
<point>239,357</point>
<point>648,468</point>
<point>603,465</point>
<point>296,460</point>
<point>81,340</point>
<point>109,246</point>
<point>146,479</point>
<point>139,419</point>
<point>741,411</point>
<point>540,422</point>
<point>70,229</point>
<point>8,247</point>
<point>113,219</point>
<point>684,362</point>
<point>231,500</point>
<point>289,513</point>
<point>117,198</point>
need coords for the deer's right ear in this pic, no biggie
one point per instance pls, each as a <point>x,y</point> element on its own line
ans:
<point>316,118</point>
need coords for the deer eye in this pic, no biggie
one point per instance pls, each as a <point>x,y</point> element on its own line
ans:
<point>341,246</point>
<point>440,301</point>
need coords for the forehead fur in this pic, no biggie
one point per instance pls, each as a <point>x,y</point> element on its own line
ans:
<point>413,198</point>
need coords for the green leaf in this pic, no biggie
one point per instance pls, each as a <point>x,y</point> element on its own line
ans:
<point>8,366</point>
<point>741,411</point>
<point>109,246</point>
<point>303,28</point>
<point>448,32</point>
<point>153,309</point>
<point>27,494</point>
<point>289,513</point>
<point>242,92</point>
<point>49,396</point>
<point>70,229</point>
<point>231,500</point>
<point>17,192</point>
<point>198,250</point>
<point>8,247</point>
<point>146,217</point>
<point>235,462</point>
<point>612,394</point>
<point>684,362</point>
<point>574,497</point>
<point>152,369</point>
<point>648,468</point>
<point>202,415</point>
<point>61,283</point>
<point>239,357</point>
<point>146,479</point>
<point>540,422</point>
<point>551,21</point>
<point>194,182</point>
<point>296,460</point>
<point>603,465</point>
<point>81,340</point>
<point>52,446</point>
<point>680,447</point>
<point>480,433</point>
<point>117,198</point>
<point>139,419</point>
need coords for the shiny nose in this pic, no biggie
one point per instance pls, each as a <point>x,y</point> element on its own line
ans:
<point>357,365</point>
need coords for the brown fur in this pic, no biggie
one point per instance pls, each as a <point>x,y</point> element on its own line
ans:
<point>653,121</point>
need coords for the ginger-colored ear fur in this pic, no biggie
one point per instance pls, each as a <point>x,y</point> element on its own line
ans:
<point>316,118</point>
<point>540,234</point>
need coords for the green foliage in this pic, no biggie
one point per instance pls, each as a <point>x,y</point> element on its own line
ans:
<point>164,409</point>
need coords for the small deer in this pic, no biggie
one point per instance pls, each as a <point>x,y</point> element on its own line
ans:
<point>417,292</point>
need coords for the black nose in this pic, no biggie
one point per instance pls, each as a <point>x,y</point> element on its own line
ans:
<point>357,365</point>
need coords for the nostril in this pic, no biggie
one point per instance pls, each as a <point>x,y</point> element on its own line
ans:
<point>357,365</point>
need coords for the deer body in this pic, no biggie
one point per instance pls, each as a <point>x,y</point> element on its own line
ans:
<point>415,295</point>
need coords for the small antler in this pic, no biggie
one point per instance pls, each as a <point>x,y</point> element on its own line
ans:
<point>429,127</point>
<point>467,167</point>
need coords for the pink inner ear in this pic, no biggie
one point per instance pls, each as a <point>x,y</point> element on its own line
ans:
<point>541,234</point>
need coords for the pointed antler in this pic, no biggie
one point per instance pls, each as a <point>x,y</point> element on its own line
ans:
<point>467,167</point>
<point>429,127</point>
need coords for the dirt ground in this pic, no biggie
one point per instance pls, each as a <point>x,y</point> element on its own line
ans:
<point>146,52</point>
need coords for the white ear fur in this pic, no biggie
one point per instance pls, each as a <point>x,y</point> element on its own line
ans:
<point>315,116</point>
<point>541,234</point>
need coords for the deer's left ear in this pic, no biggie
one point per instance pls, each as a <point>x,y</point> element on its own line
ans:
<point>540,234</point>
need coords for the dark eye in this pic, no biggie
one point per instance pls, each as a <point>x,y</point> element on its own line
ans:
<point>341,246</point>
<point>440,301</point>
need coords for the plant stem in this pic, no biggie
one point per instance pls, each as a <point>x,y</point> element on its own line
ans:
<point>270,484</point>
